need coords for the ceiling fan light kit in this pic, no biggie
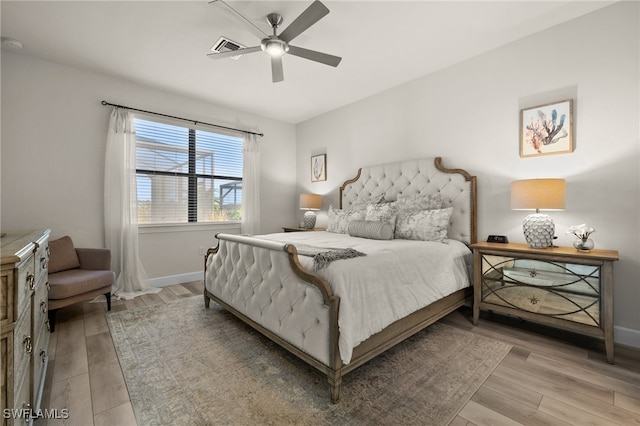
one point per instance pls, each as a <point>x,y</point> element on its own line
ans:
<point>276,46</point>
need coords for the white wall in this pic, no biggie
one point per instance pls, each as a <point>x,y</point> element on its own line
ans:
<point>53,142</point>
<point>469,115</point>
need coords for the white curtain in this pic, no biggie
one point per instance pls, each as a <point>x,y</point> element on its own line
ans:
<point>120,208</point>
<point>251,185</point>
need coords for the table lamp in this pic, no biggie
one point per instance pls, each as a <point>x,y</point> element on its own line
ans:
<point>538,194</point>
<point>310,202</point>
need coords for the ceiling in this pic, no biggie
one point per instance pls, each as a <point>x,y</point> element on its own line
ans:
<point>163,44</point>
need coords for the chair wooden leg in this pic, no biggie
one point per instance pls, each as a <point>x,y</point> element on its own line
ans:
<point>52,319</point>
<point>108,296</point>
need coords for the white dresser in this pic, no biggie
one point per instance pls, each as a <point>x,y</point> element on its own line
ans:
<point>24,333</point>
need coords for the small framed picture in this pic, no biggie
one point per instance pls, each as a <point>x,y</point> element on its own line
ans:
<point>318,168</point>
<point>547,129</point>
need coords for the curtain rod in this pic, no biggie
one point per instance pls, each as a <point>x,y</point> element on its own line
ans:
<point>183,119</point>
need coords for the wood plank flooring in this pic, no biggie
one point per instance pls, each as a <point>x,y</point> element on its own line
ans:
<point>548,378</point>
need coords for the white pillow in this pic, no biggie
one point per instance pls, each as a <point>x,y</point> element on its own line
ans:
<point>339,219</point>
<point>425,225</point>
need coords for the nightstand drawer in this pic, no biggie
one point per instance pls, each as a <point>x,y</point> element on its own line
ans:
<point>560,290</point>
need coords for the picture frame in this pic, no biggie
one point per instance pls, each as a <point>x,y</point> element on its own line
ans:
<point>547,129</point>
<point>318,168</point>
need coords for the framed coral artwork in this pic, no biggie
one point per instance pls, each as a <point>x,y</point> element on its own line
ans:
<point>319,168</point>
<point>547,129</point>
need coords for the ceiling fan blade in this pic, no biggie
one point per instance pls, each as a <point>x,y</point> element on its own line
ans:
<point>313,55</point>
<point>310,16</point>
<point>232,53</point>
<point>276,69</point>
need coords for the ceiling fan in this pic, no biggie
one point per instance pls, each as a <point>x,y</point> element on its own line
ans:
<point>276,46</point>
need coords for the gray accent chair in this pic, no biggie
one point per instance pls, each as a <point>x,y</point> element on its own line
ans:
<point>76,275</point>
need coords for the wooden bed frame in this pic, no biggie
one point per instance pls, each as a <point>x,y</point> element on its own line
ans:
<point>219,265</point>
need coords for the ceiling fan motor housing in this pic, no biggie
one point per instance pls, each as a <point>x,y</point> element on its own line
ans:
<point>274,46</point>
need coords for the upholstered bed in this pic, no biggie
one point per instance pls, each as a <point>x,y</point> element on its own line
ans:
<point>338,315</point>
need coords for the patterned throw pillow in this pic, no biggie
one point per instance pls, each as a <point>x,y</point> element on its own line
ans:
<point>362,203</point>
<point>382,213</point>
<point>425,225</point>
<point>419,202</point>
<point>374,230</point>
<point>339,219</point>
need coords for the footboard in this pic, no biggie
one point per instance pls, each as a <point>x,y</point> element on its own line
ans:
<point>263,284</point>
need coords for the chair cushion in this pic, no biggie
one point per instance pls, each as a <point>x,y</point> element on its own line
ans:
<point>78,281</point>
<point>62,255</point>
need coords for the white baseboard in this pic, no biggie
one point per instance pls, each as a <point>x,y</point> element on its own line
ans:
<point>627,336</point>
<point>176,279</point>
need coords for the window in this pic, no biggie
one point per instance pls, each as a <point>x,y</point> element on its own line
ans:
<point>187,175</point>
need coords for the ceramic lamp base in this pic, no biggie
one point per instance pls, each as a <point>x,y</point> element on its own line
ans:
<point>309,219</point>
<point>539,230</point>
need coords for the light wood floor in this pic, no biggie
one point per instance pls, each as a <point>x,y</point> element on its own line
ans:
<point>548,378</point>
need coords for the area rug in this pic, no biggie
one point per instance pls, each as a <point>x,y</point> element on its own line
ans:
<point>187,365</point>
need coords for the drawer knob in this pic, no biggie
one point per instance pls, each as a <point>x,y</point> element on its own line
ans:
<point>43,262</point>
<point>43,306</point>
<point>43,355</point>
<point>28,344</point>
<point>48,325</point>
<point>31,281</point>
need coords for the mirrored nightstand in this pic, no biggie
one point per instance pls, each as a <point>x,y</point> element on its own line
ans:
<point>556,286</point>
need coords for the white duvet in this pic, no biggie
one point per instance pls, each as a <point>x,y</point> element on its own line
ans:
<point>394,279</point>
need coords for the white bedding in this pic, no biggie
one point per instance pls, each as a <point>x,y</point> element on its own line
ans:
<point>395,278</point>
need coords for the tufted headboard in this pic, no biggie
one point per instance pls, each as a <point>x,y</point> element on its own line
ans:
<point>423,176</point>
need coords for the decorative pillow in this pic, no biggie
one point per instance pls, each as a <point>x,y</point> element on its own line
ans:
<point>62,255</point>
<point>362,203</point>
<point>371,229</point>
<point>419,202</point>
<point>425,225</point>
<point>339,219</point>
<point>383,213</point>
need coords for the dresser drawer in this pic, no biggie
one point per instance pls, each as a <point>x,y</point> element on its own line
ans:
<point>22,350</point>
<point>7,289</point>
<point>41,325</point>
<point>40,305</point>
<point>26,283</point>
<point>22,401</point>
<point>39,359</point>
<point>6,370</point>
<point>42,259</point>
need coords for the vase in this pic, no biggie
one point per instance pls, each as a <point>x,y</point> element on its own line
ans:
<point>583,244</point>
